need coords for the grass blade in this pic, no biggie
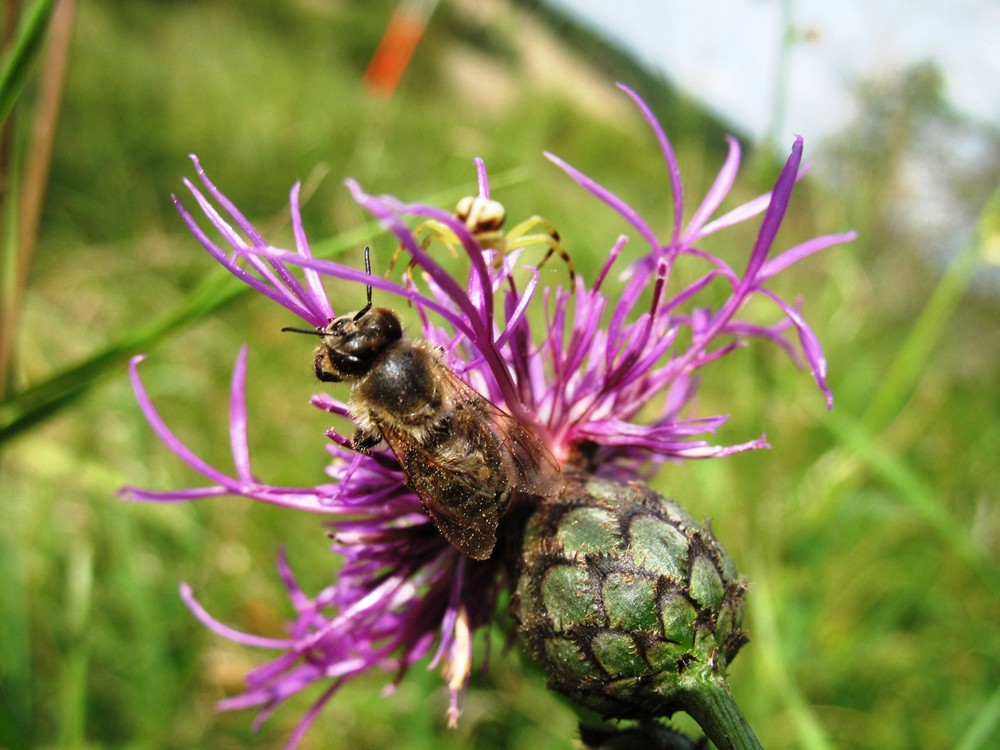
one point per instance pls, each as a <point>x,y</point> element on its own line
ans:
<point>15,67</point>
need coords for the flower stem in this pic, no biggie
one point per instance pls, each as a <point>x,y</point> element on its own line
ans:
<point>712,706</point>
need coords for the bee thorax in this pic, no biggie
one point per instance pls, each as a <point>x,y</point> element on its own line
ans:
<point>401,392</point>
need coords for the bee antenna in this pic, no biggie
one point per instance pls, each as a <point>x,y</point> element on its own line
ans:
<point>368,269</point>
<point>310,331</point>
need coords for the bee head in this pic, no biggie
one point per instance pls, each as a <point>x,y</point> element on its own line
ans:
<point>351,343</point>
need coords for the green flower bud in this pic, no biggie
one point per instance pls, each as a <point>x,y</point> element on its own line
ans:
<point>631,606</point>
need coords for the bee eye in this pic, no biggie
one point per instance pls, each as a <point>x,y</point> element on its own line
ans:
<point>378,328</point>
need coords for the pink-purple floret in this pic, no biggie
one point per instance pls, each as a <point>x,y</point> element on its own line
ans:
<point>579,378</point>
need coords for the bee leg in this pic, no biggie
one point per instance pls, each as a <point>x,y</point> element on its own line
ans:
<point>323,367</point>
<point>364,440</point>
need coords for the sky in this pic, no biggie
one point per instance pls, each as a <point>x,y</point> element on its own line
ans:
<point>726,52</point>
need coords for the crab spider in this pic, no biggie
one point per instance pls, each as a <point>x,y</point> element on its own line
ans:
<point>484,218</point>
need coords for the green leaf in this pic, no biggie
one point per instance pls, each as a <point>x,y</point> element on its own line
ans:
<point>15,67</point>
<point>31,405</point>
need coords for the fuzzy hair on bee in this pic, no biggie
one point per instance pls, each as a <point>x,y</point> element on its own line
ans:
<point>461,454</point>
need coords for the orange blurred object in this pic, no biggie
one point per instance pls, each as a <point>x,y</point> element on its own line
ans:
<point>396,48</point>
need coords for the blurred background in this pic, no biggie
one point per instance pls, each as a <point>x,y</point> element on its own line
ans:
<point>869,536</point>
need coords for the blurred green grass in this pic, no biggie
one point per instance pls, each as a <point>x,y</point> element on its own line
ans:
<point>869,536</point>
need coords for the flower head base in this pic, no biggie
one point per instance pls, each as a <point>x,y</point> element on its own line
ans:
<point>631,606</point>
<point>578,381</point>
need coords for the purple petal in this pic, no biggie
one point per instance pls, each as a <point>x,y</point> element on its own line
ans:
<point>810,345</point>
<point>238,419</point>
<point>230,207</point>
<point>609,198</point>
<point>137,494</point>
<point>775,211</point>
<point>313,279</point>
<point>668,156</point>
<point>716,194</point>
<point>224,630</point>
<point>482,178</point>
<point>737,216</point>
<point>307,720</point>
<point>176,447</point>
<point>803,250</point>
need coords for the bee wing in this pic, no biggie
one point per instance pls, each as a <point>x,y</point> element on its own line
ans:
<point>466,471</point>
<point>531,467</point>
<point>464,505</point>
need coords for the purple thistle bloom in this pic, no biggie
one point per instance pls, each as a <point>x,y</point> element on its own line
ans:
<point>579,381</point>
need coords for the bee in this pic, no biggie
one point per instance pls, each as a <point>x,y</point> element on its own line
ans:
<point>463,456</point>
<point>485,218</point>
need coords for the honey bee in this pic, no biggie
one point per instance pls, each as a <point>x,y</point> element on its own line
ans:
<point>485,218</point>
<point>463,456</point>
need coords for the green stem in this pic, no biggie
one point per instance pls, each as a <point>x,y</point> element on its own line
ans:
<point>711,704</point>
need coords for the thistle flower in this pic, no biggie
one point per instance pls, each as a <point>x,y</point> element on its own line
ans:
<point>579,381</point>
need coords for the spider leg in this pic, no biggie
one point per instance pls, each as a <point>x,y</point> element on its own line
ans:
<point>428,232</point>
<point>538,231</point>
